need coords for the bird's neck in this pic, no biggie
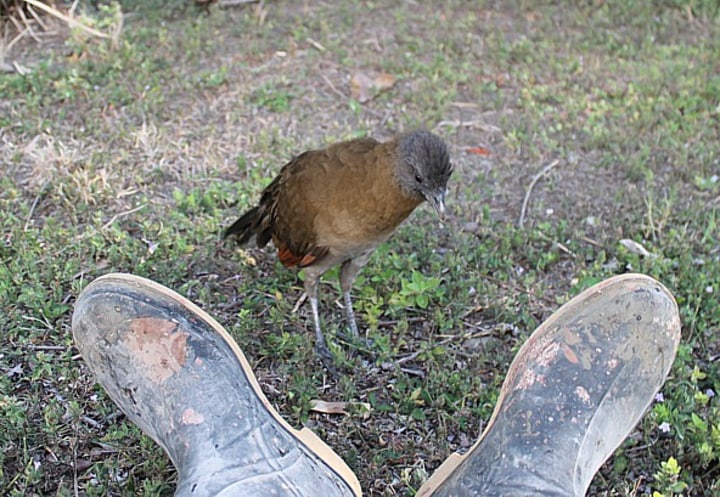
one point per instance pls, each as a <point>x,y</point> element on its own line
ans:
<point>389,174</point>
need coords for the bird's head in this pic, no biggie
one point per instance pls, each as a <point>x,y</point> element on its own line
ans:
<point>425,167</point>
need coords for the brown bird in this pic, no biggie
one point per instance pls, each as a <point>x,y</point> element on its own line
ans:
<point>336,205</point>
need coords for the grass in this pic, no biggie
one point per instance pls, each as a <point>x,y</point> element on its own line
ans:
<point>132,157</point>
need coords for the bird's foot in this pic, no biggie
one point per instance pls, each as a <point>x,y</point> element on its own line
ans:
<point>327,358</point>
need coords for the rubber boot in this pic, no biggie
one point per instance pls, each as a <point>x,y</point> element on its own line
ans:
<point>178,375</point>
<point>575,390</point>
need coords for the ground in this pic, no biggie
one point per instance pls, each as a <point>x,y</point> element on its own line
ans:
<point>132,153</point>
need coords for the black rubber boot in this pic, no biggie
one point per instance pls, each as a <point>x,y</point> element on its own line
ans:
<point>177,374</point>
<point>573,393</point>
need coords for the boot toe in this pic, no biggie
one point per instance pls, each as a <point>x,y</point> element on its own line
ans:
<point>178,375</point>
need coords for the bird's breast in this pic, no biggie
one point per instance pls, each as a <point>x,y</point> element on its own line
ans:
<point>356,226</point>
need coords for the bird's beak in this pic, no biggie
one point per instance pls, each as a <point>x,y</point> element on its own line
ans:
<point>437,200</point>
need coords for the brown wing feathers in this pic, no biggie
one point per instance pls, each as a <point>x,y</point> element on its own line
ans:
<point>291,228</point>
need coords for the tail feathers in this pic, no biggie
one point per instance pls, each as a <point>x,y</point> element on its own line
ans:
<point>245,227</point>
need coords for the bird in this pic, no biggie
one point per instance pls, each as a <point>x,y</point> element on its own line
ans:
<point>334,206</point>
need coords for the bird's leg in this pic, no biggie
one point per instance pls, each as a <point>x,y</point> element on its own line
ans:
<point>348,272</point>
<point>311,289</point>
<point>350,314</point>
<point>319,337</point>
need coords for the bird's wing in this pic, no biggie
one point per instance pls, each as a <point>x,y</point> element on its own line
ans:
<point>301,191</point>
<point>293,210</point>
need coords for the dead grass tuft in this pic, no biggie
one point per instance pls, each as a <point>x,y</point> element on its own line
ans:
<point>40,20</point>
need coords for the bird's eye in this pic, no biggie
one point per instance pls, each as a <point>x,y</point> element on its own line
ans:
<point>418,178</point>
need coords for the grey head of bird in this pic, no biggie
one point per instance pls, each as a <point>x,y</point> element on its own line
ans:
<point>425,167</point>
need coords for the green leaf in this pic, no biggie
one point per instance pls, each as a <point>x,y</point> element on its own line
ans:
<point>418,414</point>
<point>422,301</point>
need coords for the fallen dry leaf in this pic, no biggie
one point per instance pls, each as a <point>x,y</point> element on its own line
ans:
<point>325,407</point>
<point>478,151</point>
<point>359,85</point>
<point>364,87</point>
<point>384,81</point>
<point>635,248</point>
<point>355,408</point>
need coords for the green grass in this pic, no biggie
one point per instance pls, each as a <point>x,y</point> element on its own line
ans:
<point>133,157</point>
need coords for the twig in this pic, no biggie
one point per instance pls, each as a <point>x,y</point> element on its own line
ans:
<point>45,323</point>
<point>233,3</point>
<point>535,179</point>
<point>20,69</point>
<point>516,288</point>
<point>447,340</point>
<point>332,87</point>
<point>394,322</point>
<point>346,98</point>
<point>90,421</point>
<point>316,44</point>
<point>469,124</point>
<point>17,38</point>
<point>465,105</point>
<point>299,302</point>
<point>413,372</point>
<point>122,214</point>
<point>69,20</point>
<point>32,209</point>
<point>27,25</point>
<point>565,249</point>
<point>559,245</point>
<point>22,30</point>
<point>415,355</point>
<point>48,347</point>
<point>591,241</point>
<point>38,19</point>
<point>75,462</point>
